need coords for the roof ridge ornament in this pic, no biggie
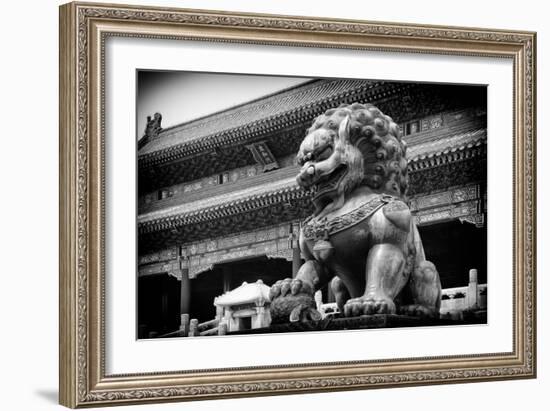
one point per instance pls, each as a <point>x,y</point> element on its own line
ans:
<point>152,130</point>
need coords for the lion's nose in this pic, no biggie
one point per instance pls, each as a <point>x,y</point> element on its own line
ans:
<point>306,175</point>
<point>308,167</point>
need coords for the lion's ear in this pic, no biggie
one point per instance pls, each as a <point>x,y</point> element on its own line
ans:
<point>344,129</point>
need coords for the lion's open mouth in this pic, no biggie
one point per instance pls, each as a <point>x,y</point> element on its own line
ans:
<point>328,184</point>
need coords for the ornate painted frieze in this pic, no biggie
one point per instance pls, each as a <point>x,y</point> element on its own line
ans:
<point>451,196</point>
<point>233,241</point>
<point>163,255</point>
<point>477,219</point>
<point>447,212</point>
<point>203,262</point>
<point>273,242</point>
<point>171,267</point>
<point>286,254</point>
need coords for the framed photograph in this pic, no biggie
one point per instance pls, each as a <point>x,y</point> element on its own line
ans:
<point>259,204</point>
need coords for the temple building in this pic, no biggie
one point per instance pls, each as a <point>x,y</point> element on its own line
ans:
<point>219,206</point>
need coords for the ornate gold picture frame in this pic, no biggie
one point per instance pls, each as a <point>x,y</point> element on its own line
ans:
<point>84,30</point>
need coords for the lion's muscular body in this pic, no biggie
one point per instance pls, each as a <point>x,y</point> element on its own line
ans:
<point>353,159</point>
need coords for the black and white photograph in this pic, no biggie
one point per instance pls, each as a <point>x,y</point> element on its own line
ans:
<point>282,204</point>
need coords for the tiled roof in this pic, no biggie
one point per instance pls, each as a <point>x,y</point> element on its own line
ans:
<point>254,190</point>
<point>253,112</point>
<point>245,294</point>
<point>444,145</point>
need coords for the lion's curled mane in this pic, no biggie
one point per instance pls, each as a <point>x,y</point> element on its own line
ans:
<point>378,139</point>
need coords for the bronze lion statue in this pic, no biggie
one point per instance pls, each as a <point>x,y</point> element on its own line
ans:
<point>361,240</point>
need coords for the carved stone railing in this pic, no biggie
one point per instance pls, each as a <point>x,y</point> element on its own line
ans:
<point>457,300</point>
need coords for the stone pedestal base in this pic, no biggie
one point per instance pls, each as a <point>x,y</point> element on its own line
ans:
<point>357,323</point>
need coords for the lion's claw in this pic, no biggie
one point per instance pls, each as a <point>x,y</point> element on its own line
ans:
<point>296,286</point>
<point>275,290</point>
<point>368,305</point>
<point>282,287</point>
<point>285,287</point>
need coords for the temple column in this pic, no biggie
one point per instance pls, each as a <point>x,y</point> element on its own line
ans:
<point>185,292</point>
<point>185,300</point>
<point>164,303</point>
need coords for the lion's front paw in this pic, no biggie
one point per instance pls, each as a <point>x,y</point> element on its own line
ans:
<point>367,305</point>
<point>292,300</point>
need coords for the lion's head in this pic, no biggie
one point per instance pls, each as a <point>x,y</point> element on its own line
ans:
<point>349,146</point>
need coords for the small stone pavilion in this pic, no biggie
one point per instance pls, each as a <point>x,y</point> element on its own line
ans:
<point>244,308</point>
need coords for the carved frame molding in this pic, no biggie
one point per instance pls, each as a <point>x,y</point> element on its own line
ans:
<point>84,26</point>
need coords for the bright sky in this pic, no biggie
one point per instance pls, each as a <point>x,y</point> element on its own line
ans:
<point>184,96</point>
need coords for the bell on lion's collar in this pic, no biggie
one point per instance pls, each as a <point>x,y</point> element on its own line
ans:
<point>322,245</point>
<point>323,249</point>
